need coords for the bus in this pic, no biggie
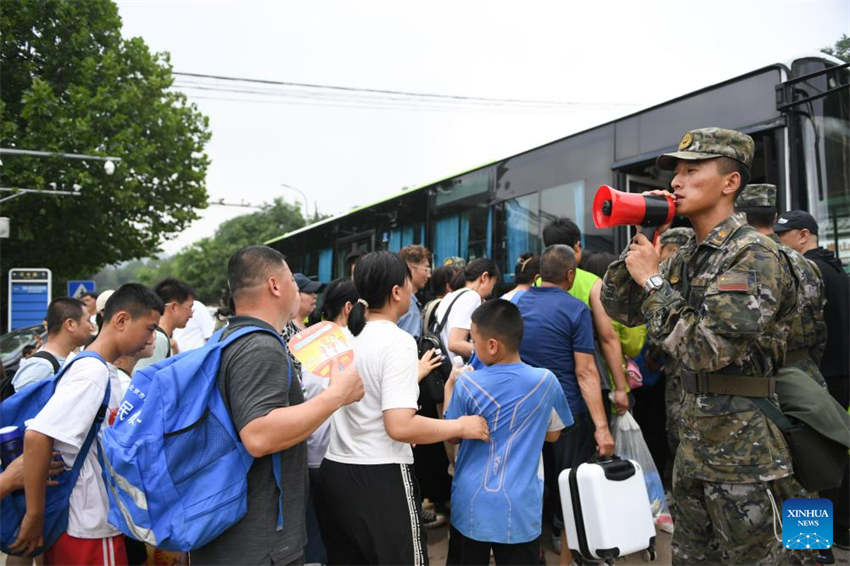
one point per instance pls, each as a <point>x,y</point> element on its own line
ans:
<point>797,113</point>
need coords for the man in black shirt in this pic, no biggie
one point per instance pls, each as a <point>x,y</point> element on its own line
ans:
<point>798,230</point>
<point>268,409</point>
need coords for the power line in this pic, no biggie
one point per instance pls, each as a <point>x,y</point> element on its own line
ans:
<point>399,93</point>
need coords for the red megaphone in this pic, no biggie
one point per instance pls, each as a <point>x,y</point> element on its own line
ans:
<point>616,208</point>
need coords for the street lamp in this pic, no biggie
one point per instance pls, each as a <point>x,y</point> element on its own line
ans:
<point>303,196</point>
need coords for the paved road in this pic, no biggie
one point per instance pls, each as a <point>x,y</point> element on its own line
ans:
<point>438,546</point>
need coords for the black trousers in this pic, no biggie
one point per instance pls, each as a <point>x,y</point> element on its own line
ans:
<point>464,550</point>
<point>372,514</point>
<point>839,387</point>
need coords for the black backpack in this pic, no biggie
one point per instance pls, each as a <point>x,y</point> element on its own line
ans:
<point>431,387</point>
<point>6,387</point>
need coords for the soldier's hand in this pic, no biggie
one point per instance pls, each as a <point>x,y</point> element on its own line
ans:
<point>604,441</point>
<point>659,193</point>
<point>346,383</point>
<point>642,259</point>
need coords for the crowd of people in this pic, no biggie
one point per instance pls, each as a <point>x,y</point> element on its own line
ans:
<point>469,394</point>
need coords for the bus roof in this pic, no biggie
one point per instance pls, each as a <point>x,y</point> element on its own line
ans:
<point>482,165</point>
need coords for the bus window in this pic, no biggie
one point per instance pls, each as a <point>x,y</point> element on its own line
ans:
<point>565,200</point>
<point>522,232</point>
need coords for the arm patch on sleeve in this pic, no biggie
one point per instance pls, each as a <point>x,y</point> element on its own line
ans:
<point>736,281</point>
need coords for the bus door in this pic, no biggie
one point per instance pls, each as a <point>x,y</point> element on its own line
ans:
<point>359,244</point>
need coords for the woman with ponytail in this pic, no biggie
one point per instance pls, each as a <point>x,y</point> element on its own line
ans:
<point>339,298</point>
<point>369,488</point>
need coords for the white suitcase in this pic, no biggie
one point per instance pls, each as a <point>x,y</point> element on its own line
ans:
<point>606,509</point>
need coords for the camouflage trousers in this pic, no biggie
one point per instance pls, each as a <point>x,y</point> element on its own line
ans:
<point>725,523</point>
<point>673,395</point>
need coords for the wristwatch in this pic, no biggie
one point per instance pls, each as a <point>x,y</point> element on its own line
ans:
<point>653,283</point>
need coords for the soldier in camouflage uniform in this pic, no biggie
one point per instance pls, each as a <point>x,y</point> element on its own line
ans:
<point>671,240</point>
<point>807,328</point>
<point>719,307</point>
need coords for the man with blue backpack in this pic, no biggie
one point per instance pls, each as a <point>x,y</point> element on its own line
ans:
<point>74,522</point>
<point>267,408</point>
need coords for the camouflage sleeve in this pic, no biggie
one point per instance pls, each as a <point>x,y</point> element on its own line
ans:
<point>819,348</point>
<point>739,304</point>
<point>620,295</point>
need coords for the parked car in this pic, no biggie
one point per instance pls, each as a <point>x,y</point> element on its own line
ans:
<point>12,345</point>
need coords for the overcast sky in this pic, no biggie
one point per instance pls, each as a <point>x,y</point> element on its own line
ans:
<point>610,58</point>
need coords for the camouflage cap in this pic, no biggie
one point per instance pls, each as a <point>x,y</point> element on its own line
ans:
<point>454,261</point>
<point>756,196</point>
<point>678,236</point>
<point>708,143</point>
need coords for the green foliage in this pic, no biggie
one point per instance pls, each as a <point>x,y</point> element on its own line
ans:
<point>841,48</point>
<point>71,83</point>
<point>204,264</point>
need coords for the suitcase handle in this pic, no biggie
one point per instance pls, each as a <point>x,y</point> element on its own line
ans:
<point>614,467</point>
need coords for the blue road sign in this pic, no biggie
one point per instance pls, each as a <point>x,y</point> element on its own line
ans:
<point>77,288</point>
<point>29,295</point>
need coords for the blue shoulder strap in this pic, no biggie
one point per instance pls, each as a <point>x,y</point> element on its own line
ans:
<point>277,461</point>
<point>98,419</point>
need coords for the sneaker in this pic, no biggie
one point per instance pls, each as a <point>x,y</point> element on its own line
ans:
<point>432,519</point>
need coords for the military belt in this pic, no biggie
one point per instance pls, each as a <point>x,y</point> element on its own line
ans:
<point>798,355</point>
<point>740,385</point>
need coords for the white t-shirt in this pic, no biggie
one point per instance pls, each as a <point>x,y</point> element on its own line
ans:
<point>460,315</point>
<point>198,329</point>
<point>386,360</point>
<point>67,418</point>
<point>32,370</point>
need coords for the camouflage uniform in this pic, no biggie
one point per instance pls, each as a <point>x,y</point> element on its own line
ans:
<point>807,328</point>
<point>673,391</point>
<point>731,322</point>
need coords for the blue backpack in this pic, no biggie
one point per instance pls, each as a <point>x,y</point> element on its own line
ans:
<point>16,410</point>
<point>175,468</point>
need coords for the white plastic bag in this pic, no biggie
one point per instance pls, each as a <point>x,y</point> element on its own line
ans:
<point>630,444</point>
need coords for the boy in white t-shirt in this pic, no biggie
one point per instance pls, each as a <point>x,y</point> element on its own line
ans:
<point>130,317</point>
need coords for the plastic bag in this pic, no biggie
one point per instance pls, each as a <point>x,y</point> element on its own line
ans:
<point>629,444</point>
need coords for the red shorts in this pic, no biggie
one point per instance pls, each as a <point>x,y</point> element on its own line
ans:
<point>72,551</point>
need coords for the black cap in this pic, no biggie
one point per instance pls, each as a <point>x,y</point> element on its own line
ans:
<point>305,284</point>
<point>796,220</point>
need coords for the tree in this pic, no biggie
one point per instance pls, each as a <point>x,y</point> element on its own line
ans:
<point>71,83</point>
<point>841,48</point>
<point>204,264</point>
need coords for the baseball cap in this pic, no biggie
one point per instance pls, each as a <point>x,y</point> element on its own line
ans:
<point>100,303</point>
<point>709,143</point>
<point>305,284</point>
<point>757,195</point>
<point>796,220</point>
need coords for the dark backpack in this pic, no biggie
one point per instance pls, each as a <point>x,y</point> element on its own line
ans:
<point>431,387</point>
<point>6,387</point>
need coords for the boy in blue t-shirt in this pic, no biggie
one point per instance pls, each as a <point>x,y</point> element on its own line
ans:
<point>497,492</point>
